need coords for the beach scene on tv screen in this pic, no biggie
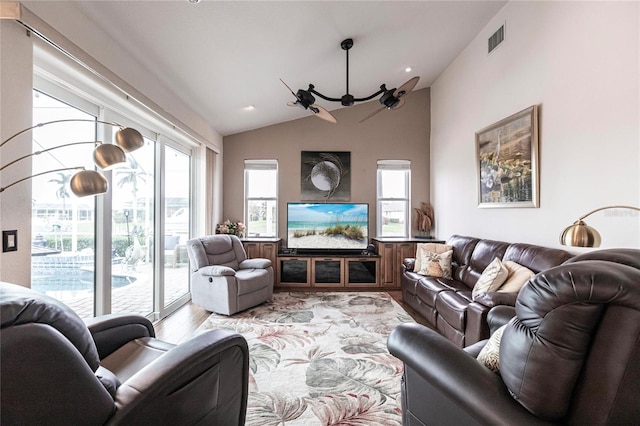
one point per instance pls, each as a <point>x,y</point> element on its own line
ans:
<point>327,226</point>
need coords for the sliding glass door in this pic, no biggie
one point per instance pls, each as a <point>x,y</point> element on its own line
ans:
<point>133,224</point>
<point>124,251</point>
<point>62,225</point>
<point>177,223</point>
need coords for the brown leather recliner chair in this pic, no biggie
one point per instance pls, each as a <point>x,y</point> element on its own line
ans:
<point>570,356</point>
<point>57,370</point>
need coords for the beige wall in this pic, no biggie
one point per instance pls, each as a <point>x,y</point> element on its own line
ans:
<point>16,67</point>
<point>402,134</point>
<point>579,61</point>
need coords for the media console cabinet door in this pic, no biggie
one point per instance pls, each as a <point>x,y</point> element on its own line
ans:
<point>362,272</point>
<point>392,254</point>
<point>294,272</point>
<point>403,250</point>
<point>327,272</point>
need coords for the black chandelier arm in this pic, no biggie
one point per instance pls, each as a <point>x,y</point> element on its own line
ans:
<point>383,89</point>
<point>326,98</point>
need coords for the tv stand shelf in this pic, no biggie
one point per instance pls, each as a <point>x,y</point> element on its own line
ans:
<point>328,271</point>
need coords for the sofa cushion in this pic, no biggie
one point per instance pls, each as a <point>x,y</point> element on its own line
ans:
<point>428,288</point>
<point>518,276</point>
<point>493,276</point>
<point>489,356</point>
<point>22,305</point>
<point>483,254</point>
<point>536,258</point>
<point>250,280</point>
<point>452,306</point>
<point>435,264</point>
<point>422,248</point>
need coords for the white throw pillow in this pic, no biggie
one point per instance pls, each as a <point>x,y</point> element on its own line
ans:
<point>518,276</point>
<point>436,264</point>
<point>493,276</point>
<point>489,356</point>
<point>428,247</point>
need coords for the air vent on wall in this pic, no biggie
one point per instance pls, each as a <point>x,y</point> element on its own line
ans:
<point>496,38</point>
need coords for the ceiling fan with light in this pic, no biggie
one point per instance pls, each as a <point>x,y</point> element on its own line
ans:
<point>390,99</point>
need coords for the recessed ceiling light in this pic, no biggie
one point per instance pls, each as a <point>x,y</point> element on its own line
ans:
<point>250,107</point>
<point>195,1</point>
<point>407,69</point>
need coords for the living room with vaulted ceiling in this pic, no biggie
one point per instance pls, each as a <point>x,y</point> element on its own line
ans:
<point>578,63</point>
<point>582,77</point>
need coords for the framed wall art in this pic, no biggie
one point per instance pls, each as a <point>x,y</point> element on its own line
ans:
<point>325,176</point>
<point>507,161</point>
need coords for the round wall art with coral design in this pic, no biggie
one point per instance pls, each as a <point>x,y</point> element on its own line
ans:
<point>325,176</point>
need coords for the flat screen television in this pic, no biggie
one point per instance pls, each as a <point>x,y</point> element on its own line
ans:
<point>339,227</point>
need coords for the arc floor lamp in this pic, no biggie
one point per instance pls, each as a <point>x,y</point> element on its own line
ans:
<point>582,235</point>
<point>106,156</point>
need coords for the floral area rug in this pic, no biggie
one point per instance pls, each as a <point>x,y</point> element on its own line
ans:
<point>320,359</point>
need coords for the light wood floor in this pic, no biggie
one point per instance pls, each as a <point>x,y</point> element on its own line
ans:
<point>181,325</point>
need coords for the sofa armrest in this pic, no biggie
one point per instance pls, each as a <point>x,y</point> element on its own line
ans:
<point>499,316</point>
<point>494,298</point>
<point>110,332</point>
<point>454,374</point>
<point>216,271</point>
<point>212,369</point>
<point>257,263</point>
<point>409,263</point>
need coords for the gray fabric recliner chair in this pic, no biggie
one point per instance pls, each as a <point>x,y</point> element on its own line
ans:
<point>58,370</point>
<point>223,280</point>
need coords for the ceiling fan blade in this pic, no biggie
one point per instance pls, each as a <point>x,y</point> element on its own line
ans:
<point>292,92</point>
<point>372,114</point>
<point>293,104</point>
<point>320,112</point>
<point>406,87</point>
<point>398,104</point>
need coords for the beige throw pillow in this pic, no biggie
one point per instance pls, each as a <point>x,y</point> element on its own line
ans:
<point>518,276</point>
<point>493,276</point>
<point>436,264</point>
<point>428,247</point>
<point>489,356</point>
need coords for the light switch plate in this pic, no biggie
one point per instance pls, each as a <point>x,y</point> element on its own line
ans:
<point>10,240</point>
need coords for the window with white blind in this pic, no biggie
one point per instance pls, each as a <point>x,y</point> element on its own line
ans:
<point>261,198</point>
<point>393,184</point>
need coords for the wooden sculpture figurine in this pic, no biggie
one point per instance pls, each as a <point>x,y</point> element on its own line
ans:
<point>424,218</point>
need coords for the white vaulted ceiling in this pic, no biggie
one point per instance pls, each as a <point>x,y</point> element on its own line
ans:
<point>220,56</point>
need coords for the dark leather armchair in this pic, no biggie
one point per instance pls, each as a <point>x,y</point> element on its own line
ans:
<point>571,355</point>
<point>55,369</point>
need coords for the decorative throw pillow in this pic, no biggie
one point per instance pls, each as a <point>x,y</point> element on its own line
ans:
<point>518,276</point>
<point>430,247</point>
<point>436,264</point>
<point>493,276</point>
<point>489,356</point>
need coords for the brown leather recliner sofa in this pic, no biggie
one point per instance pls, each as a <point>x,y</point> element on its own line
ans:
<point>447,304</point>
<point>571,354</point>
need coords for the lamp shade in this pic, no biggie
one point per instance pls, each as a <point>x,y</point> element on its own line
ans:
<point>129,139</point>
<point>580,235</point>
<point>88,182</point>
<point>107,156</point>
